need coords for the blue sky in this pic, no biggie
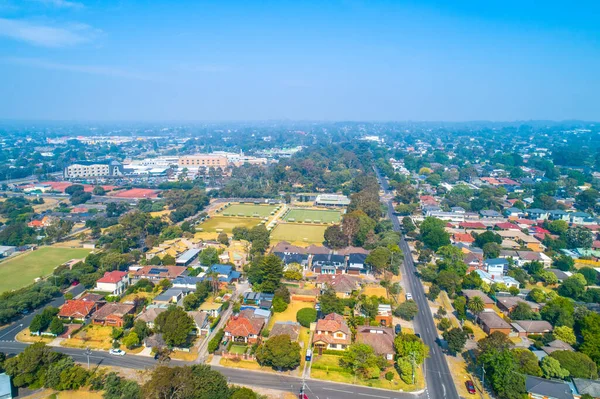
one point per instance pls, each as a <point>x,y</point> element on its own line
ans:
<point>343,60</point>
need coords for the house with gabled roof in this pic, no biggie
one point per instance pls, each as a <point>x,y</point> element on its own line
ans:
<point>244,328</point>
<point>381,339</point>
<point>331,332</point>
<point>112,314</point>
<point>542,388</point>
<point>77,309</point>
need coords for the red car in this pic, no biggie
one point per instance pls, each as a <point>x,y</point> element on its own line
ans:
<point>470,387</point>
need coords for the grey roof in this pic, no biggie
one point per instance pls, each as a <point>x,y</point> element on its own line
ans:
<point>548,388</point>
<point>591,387</point>
<point>187,255</point>
<point>5,388</point>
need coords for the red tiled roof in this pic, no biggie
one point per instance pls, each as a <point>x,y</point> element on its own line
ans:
<point>332,322</point>
<point>596,244</point>
<point>242,327</point>
<point>76,308</point>
<point>507,226</point>
<point>472,225</point>
<point>463,237</point>
<point>112,277</point>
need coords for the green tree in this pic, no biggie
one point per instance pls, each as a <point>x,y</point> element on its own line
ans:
<point>330,303</point>
<point>279,305</point>
<point>476,305</point>
<point>444,324</point>
<point>56,326</point>
<point>456,339</point>
<point>191,302</point>
<point>175,325</point>
<point>408,345</point>
<point>265,274</point>
<point>523,312</point>
<point>564,263</point>
<point>306,316</point>
<point>559,312</point>
<point>460,305</point>
<point>335,237</point>
<point>551,368</point>
<point>565,334</point>
<point>527,362</point>
<point>360,359</point>
<point>579,237</point>
<point>279,352</point>
<point>590,275</point>
<point>407,310</point>
<point>223,239</point>
<point>380,259</point>
<point>131,340</point>
<point>590,332</point>
<point>573,286</point>
<point>578,364</point>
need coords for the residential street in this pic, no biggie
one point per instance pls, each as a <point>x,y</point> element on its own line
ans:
<point>437,374</point>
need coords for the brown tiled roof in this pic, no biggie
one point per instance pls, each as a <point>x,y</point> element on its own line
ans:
<point>381,339</point>
<point>492,320</point>
<point>284,246</point>
<point>317,249</point>
<point>169,272</point>
<point>469,294</point>
<point>333,322</point>
<point>534,326</point>
<point>339,282</point>
<point>113,309</point>
<point>285,328</point>
<point>352,250</point>
<point>149,315</point>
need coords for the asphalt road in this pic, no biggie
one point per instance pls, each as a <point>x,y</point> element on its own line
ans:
<point>437,374</point>
<point>315,389</point>
<point>10,332</point>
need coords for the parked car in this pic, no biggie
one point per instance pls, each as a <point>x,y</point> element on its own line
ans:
<point>470,387</point>
<point>408,296</point>
<point>398,329</point>
<point>116,352</point>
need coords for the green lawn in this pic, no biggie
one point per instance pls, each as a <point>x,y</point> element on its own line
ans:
<point>238,349</point>
<point>226,224</point>
<point>20,271</point>
<point>313,216</point>
<point>247,210</point>
<point>294,232</point>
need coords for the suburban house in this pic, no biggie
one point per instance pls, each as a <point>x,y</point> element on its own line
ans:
<point>150,314</point>
<point>508,303</point>
<point>212,308</point>
<point>384,315</point>
<point>356,264</point>
<point>490,322</point>
<point>342,284</point>
<point>112,314</point>
<point>187,282</point>
<point>557,345</point>
<point>583,386</point>
<point>158,273</point>
<point>328,263</point>
<point>464,238</point>
<point>291,258</point>
<point>541,388</point>
<point>531,327</point>
<point>491,279</point>
<point>496,266</point>
<point>202,325</point>
<point>77,309</point>
<point>289,328</point>
<point>115,282</point>
<point>470,294</point>
<point>172,295</point>
<point>381,339</point>
<point>5,387</point>
<point>226,274</point>
<point>260,299</point>
<point>331,332</point>
<point>241,328</point>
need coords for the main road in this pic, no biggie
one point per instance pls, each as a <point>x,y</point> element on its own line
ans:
<point>437,374</point>
<point>315,389</point>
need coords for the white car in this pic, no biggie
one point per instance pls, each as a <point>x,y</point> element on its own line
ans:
<point>116,352</point>
<point>408,296</point>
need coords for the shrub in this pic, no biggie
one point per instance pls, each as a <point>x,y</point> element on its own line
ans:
<point>389,376</point>
<point>279,305</point>
<point>213,344</point>
<point>407,310</point>
<point>306,316</point>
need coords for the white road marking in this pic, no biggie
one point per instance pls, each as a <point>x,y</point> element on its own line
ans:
<point>336,390</point>
<point>373,396</point>
<point>444,388</point>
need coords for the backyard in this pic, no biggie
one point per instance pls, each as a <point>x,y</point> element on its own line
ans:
<point>226,224</point>
<point>246,210</point>
<point>300,233</point>
<point>290,313</point>
<point>21,270</point>
<point>313,215</point>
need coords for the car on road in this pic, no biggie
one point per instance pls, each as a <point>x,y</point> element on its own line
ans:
<point>116,352</point>
<point>398,329</point>
<point>408,296</point>
<point>470,387</point>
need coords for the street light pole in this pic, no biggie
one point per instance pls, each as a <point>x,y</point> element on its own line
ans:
<point>88,353</point>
